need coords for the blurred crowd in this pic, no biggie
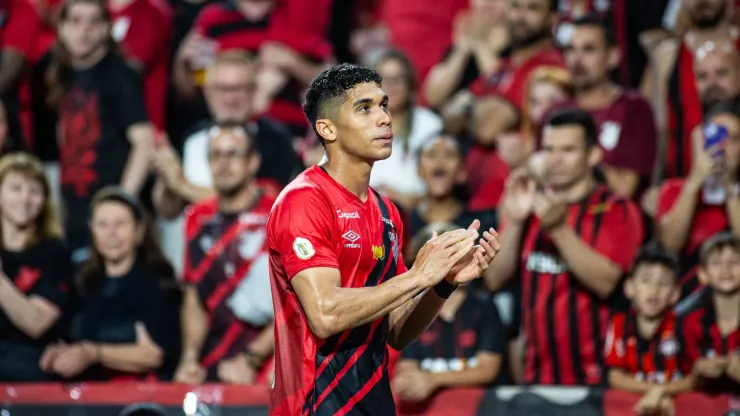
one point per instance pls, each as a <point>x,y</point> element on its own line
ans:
<point>143,143</point>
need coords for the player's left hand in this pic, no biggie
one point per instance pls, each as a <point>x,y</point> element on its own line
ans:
<point>414,386</point>
<point>478,259</point>
<point>236,370</point>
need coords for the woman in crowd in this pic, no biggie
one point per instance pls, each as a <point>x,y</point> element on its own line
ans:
<point>691,210</point>
<point>36,271</point>
<point>396,177</point>
<point>126,324</point>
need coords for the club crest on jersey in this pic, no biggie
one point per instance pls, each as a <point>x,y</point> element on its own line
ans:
<point>303,248</point>
<point>378,252</point>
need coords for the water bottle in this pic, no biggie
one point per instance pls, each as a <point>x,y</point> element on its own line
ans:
<point>714,189</point>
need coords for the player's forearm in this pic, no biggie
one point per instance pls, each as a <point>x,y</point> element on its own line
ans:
<point>505,263</point>
<point>593,270</point>
<point>673,229</point>
<point>353,307</point>
<point>412,318</point>
<point>194,326</point>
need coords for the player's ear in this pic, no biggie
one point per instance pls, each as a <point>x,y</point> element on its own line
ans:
<point>327,130</point>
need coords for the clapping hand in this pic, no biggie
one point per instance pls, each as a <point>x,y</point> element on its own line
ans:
<point>518,201</point>
<point>550,208</point>
<point>478,258</point>
<point>439,255</point>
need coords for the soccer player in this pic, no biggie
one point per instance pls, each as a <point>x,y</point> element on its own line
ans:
<point>340,288</point>
<point>642,351</point>
<point>710,333</point>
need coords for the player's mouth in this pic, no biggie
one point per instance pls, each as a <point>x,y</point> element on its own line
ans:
<point>386,138</point>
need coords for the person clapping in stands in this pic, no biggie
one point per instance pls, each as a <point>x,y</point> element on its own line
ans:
<point>126,323</point>
<point>35,268</point>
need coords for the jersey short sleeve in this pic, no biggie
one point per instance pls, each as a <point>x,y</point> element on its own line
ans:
<point>302,231</point>
<point>621,233</point>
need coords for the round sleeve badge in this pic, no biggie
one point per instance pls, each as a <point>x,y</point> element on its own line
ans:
<point>303,248</point>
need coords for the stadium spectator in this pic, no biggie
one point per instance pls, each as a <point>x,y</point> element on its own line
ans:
<point>143,28</point>
<point>227,314</point>
<point>674,80</point>
<point>628,134</point>
<point>17,34</point>
<point>478,38</point>
<point>464,346</point>
<point>124,326</point>
<point>106,138</point>
<point>691,210</point>
<point>642,351</point>
<point>572,242</point>
<point>711,331</point>
<point>36,268</point>
<point>441,169</point>
<point>397,177</point>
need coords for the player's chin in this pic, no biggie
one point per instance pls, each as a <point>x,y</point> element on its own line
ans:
<point>381,153</point>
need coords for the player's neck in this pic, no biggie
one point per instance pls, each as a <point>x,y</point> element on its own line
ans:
<point>240,201</point>
<point>599,96</point>
<point>353,175</point>
<point>727,311</point>
<point>646,327</point>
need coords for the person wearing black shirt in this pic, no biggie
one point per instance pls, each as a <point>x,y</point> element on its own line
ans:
<point>464,346</point>
<point>35,271</point>
<point>125,324</point>
<point>441,169</point>
<point>106,138</point>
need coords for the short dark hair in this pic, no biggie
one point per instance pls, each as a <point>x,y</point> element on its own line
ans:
<point>573,116</point>
<point>653,254</point>
<point>718,242</point>
<point>329,88</point>
<point>238,126</point>
<point>731,107</point>
<point>601,23</point>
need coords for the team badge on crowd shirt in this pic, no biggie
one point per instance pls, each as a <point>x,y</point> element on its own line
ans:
<point>669,347</point>
<point>303,248</point>
<point>609,136</point>
<point>378,252</point>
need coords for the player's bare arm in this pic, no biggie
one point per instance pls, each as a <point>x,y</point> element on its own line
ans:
<point>409,320</point>
<point>332,309</point>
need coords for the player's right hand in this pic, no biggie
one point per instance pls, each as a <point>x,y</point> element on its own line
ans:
<point>437,257</point>
<point>190,372</point>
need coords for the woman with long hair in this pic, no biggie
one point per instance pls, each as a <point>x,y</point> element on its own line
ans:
<point>413,125</point>
<point>36,271</point>
<point>126,323</point>
<point>105,136</point>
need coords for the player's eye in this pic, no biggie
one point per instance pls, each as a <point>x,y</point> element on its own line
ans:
<point>363,108</point>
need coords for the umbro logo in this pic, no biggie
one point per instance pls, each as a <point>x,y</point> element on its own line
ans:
<point>352,237</point>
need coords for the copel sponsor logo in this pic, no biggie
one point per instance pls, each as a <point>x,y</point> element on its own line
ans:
<point>348,215</point>
<point>352,237</point>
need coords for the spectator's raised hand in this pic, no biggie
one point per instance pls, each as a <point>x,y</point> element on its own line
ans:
<point>704,162</point>
<point>167,164</point>
<point>519,196</point>
<point>192,48</point>
<point>278,55</point>
<point>550,208</point>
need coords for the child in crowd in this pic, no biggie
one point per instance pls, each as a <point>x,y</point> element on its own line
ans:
<point>710,331</point>
<point>642,348</point>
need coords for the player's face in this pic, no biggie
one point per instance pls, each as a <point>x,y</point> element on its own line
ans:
<point>363,125</point>
<point>395,83</point>
<point>228,92</point>
<point>587,57</point>
<point>716,77</point>
<point>542,96</point>
<point>114,230</point>
<point>652,289</point>
<point>706,13</point>
<point>528,20</point>
<point>722,271</point>
<point>440,166</point>
<point>232,163</point>
<point>84,29</point>
<point>732,145</point>
<point>567,158</point>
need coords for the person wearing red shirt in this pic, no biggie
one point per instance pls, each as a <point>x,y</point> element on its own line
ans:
<point>573,241</point>
<point>341,291</point>
<point>686,217</point>
<point>710,332</point>
<point>625,119</point>
<point>642,349</point>
<point>144,29</point>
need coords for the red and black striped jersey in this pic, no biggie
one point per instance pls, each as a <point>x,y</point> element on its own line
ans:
<point>563,321</point>
<point>655,360</point>
<point>221,251</point>
<point>318,223</point>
